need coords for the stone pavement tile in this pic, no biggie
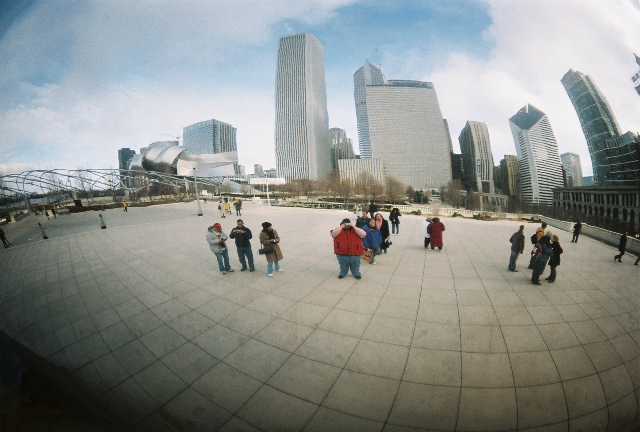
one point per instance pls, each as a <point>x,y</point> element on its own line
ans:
<point>390,330</point>
<point>257,359</point>
<point>306,313</point>
<point>111,372</point>
<point>487,409</point>
<point>541,405</point>
<point>105,318</point>
<point>196,298</point>
<point>436,336</point>
<point>523,338</point>
<point>612,306</point>
<point>545,314</point>
<point>513,315</point>
<point>91,381</point>
<point>533,298</point>
<point>73,356</point>
<point>358,303</point>
<point>622,413</point>
<point>345,323</point>
<point>153,298</point>
<point>219,309</point>
<point>477,315</point>
<point>162,340</point>
<point>557,427</point>
<point>117,335</point>
<point>134,356</point>
<point>189,362</point>
<point>371,289</point>
<point>237,425</point>
<point>334,284</point>
<point>438,296</point>
<point>129,308</point>
<point>83,328</point>
<point>533,368</point>
<point>420,405</point>
<point>304,378</point>
<point>559,298</point>
<point>159,382</point>
<point>572,312</point>
<point>442,283</point>
<point>616,383</point>
<point>499,298</point>
<point>143,322</point>
<point>584,396</point>
<point>139,286</point>
<point>579,296</point>
<point>633,367</point>
<point>594,421</point>
<point>594,310</point>
<point>270,304</point>
<point>226,387</point>
<point>285,335</point>
<point>169,310</point>
<point>190,411</point>
<point>322,297</point>
<point>327,347</point>
<point>191,325</point>
<point>362,395</point>
<point>118,298</point>
<point>602,355</point>
<point>406,281</point>
<point>626,347</point>
<point>472,298</point>
<point>242,295</point>
<point>119,401</point>
<point>247,322</point>
<point>433,367</point>
<point>558,335</point>
<point>628,321</point>
<point>486,370</point>
<point>327,420</point>
<point>403,292</point>
<point>292,291</point>
<point>482,339</point>
<point>94,347</point>
<point>220,341</point>
<point>438,313</point>
<point>379,359</point>
<point>572,362</point>
<point>264,411</point>
<point>179,288</point>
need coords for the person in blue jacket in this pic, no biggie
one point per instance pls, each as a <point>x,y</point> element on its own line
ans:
<point>540,260</point>
<point>373,240</point>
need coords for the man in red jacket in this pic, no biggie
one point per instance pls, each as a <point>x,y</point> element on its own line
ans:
<point>347,245</point>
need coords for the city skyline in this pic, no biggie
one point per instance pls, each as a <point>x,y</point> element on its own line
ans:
<point>82,81</point>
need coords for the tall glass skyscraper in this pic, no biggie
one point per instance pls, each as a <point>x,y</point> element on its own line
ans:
<point>302,141</point>
<point>540,168</point>
<point>573,168</point>
<point>477,158</point>
<point>408,133</point>
<point>209,137</point>
<point>636,76</point>
<point>341,147</point>
<point>366,75</point>
<point>596,118</point>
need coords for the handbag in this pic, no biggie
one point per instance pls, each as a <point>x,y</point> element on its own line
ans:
<point>266,250</point>
<point>367,255</point>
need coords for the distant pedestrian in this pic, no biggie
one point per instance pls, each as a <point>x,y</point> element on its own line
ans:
<point>517,247</point>
<point>554,261</point>
<point>437,228</point>
<point>242,235</point>
<point>426,232</point>
<point>534,240</point>
<point>576,232</point>
<point>46,213</point>
<point>227,207</point>
<point>6,243</point>
<point>53,213</point>
<point>238,206</point>
<point>622,247</point>
<point>204,198</point>
<point>221,208</point>
<point>347,245</point>
<point>373,240</point>
<point>383,226</point>
<point>124,204</point>
<point>373,209</point>
<point>394,218</point>
<point>269,239</point>
<point>363,220</point>
<point>216,239</point>
<point>541,253</point>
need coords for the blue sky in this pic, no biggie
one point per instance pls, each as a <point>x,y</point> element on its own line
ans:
<point>80,79</point>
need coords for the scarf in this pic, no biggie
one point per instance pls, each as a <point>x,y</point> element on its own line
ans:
<point>378,224</point>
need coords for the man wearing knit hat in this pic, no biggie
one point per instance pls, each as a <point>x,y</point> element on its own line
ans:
<point>347,245</point>
<point>216,239</point>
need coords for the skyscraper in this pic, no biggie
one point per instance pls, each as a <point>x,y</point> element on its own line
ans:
<point>636,77</point>
<point>124,159</point>
<point>302,140</point>
<point>341,147</point>
<point>209,137</point>
<point>366,75</point>
<point>573,168</point>
<point>408,133</point>
<point>258,170</point>
<point>596,118</point>
<point>510,171</point>
<point>477,158</point>
<point>540,168</point>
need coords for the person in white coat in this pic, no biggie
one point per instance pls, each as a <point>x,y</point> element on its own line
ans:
<point>426,233</point>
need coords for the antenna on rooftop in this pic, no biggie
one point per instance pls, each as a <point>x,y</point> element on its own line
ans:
<point>172,136</point>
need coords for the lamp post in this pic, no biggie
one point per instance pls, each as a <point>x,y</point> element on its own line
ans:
<point>266,181</point>
<point>195,184</point>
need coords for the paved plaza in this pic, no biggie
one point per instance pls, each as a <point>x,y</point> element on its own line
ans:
<point>142,320</point>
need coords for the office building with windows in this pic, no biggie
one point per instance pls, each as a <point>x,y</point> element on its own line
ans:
<point>408,133</point>
<point>510,172</point>
<point>209,137</point>
<point>573,168</point>
<point>366,75</point>
<point>125,155</point>
<point>540,167</point>
<point>341,147</point>
<point>302,141</point>
<point>623,155</point>
<point>357,170</point>
<point>636,76</point>
<point>258,171</point>
<point>477,158</point>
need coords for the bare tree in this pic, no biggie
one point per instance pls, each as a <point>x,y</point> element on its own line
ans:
<point>411,193</point>
<point>452,194</point>
<point>394,189</point>
<point>368,186</point>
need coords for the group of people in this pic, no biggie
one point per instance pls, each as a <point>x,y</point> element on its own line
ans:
<point>622,248</point>
<point>432,230</point>
<point>242,235</point>
<point>546,250</point>
<point>225,207</point>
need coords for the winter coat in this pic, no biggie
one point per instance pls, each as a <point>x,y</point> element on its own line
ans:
<point>373,240</point>
<point>545,248</point>
<point>362,222</point>
<point>373,209</point>
<point>242,240</point>
<point>394,217</point>
<point>384,233</point>
<point>213,238</point>
<point>436,234</point>
<point>623,243</point>
<point>540,233</point>
<point>266,241</point>
<point>555,255</point>
<point>577,228</point>
<point>517,242</point>
<point>425,232</point>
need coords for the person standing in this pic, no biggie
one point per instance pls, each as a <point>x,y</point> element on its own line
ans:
<point>383,226</point>
<point>437,228</point>
<point>216,239</point>
<point>269,238</point>
<point>227,207</point>
<point>373,240</point>
<point>534,240</point>
<point>347,245</point>
<point>544,250</point>
<point>124,204</point>
<point>394,217</point>
<point>221,209</point>
<point>426,232</point>
<point>6,243</point>
<point>576,232</point>
<point>622,247</point>
<point>554,261</point>
<point>373,209</point>
<point>517,247</point>
<point>53,213</point>
<point>238,206</point>
<point>363,221</point>
<point>46,213</point>
<point>242,235</point>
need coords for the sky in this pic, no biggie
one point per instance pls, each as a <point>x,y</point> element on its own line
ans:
<point>80,79</point>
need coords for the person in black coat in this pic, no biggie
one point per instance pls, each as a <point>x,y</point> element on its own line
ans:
<point>241,234</point>
<point>576,232</point>
<point>394,218</point>
<point>622,247</point>
<point>384,231</point>
<point>373,209</point>
<point>554,261</point>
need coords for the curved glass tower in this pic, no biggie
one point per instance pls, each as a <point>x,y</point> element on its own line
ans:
<point>366,75</point>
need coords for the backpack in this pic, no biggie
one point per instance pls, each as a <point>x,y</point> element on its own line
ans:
<point>534,238</point>
<point>536,251</point>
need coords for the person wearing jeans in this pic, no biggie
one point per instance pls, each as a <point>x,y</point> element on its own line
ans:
<point>241,234</point>
<point>394,217</point>
<point>216,239</point>
<point>347,245</point>
<point>517,247</point>
<point>269,238</point>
